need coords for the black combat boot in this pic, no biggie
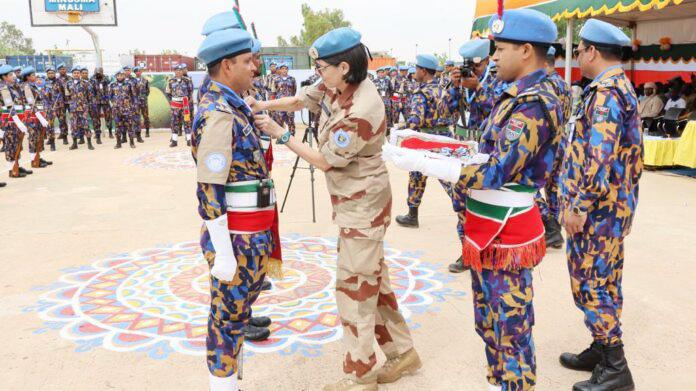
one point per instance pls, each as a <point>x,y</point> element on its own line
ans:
<point>118,142</point>
<point>132,143</point>
<point>147,132</point>
<point>179,133</point>
<point>46,162</point>
<point>25,171</point>
<point>89,144</point>
<point>188,143</point>
<point>139,138</point>
<point>65,139</point>
<point>611,374</point>
<point>3,184</point>
<point>98,137</point>
<point>266,285</point>
<point>52,143</point>
<point>172,144</point>
<point>458,266</point>
<point>409,220</point>
<point>111,133</point>
<point>82,140</point>
<point>553,235</point>
<point>74,144</point>
<point>585,361</point>
<point>253,333</point>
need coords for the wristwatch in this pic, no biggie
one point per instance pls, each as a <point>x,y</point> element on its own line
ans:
<point>284,138</point>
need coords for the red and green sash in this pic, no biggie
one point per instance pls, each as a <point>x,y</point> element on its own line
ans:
<point>503,229</point>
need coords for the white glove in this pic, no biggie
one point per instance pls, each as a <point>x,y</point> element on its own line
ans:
<point>20,124</point>
<point>41,118</point>
<point>2,133</point>
<point>414,160</point>
<point>225,266</point>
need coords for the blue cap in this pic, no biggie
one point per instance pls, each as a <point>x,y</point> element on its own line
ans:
<point>17,68</point>
<point>84,69</point>
<point>126,68</point>
<point>523,25</point>
<point>75,68</point>
<point>603,33</point>
<point>412,70</point>
<point>50,68</point>
<point>136,68</point>
<point>224,43</point>
<point>5,69</point>
<point>183,65</point>
<point>118,72</point>
<point>476,49</point>
<point>221,21</point>
<point>449,63</point>
<point>440,68</point>
<point>27,71</point>
<point>392,68</point>
<point>61,65</point>
<point>551,52</point>
<point>403,68</point>
<point>427,61</point>
<point>255,46</point>
<point>283,65</point>
<point>334,42</point>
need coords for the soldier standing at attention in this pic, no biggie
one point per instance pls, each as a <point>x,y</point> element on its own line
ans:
<point>121,97</point>
<point>100,84</point>
<point>143,93</point>
<point>384,88</point>
<point>93,105</point>
<point>48,91</point>
<point>285,86</point>
<point>177,92</point>
<point>11,125</point>
<point>599,194</point>
<point>352,130</point>
<point>504,234</point>
<point>61,104</point>
<point>36,120</point>
<point>77,91</point>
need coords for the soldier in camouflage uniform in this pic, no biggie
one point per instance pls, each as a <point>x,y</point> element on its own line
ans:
<point>47,92</point>
<point>177,91</point>
<point>36,120</point>
<point>189,81</point>
<point>400,95</point>
<point>60,101</point>
<point>599,194</point>
<point>384,88</point>
<point>504,234</point>
<point>236,237</point>
<point>121,97</point>
<point>284,86</point>
<point>429,114</point>
<point>77,91</point>
<point>135,114</point>
<point>100,86</point>
<point>12,127</point>
<point>93,105</point>
<point>352,131</point>
<point>143,93</point>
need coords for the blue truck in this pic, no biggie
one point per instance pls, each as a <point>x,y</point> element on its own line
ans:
<point>39,61</point>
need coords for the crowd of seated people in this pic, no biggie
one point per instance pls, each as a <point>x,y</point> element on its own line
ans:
<point>665,108</point>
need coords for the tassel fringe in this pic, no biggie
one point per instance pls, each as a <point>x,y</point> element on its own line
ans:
<point>504,258</point>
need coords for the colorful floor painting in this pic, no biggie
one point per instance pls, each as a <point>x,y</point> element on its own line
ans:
<point>180,159</point>
<point>156,300</point>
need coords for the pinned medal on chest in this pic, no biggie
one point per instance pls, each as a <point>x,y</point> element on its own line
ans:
<point>405,141</point>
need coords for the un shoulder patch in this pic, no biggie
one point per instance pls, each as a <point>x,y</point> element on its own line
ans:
<point>215,162</point>
<point>601,113</point>
<point>341,138</point>
<point>514,129</point>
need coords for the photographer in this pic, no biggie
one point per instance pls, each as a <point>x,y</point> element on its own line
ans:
<point>352,130</point>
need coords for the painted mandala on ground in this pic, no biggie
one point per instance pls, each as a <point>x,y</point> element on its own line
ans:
<point>156,300</point>
<point>180,159</point>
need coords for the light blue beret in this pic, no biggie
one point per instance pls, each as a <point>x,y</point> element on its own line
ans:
<point>221,21</point>
<point>27,71</point>
<point>61,65</point>
<point>84,69</point>
<point>50,68</point>
<point>412,70</point>
<point>136,69</point>
<point>403,68</point>
<point>551,52</point>
<point>5,69</point>
<point>476,49</point>
<point>392,68</point>
<point>17,68</point>
<point>440,68</point>
<point>449,63</point>
<point>127,68</point>
<point>334,42</point>
<point>427,61</point>
<point>523,25</point>
<point>603,33</point>
<point>256,46</point>
<point>75,68</point>
<point>223,43</point>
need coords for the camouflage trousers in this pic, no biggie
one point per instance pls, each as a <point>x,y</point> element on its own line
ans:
<point>416,188</point>
<point>287,117</point>
<point>178,123</point>
<point>548,203</point>
<point>96,118</point>
<point>135,120</point>
<point>11,141</point>
<point>35,128</point>
<point>398,109</point>
<point>230,310</point>
<point>145,112</point>
<point>366,302</point>
<point>105,111</point>
<point>504,317</point>
<point>595,264</point>
<point>60,114</point>
<point>79,125</point>
<point>388,111</point>
<point>122,121</point>
<point>51,119</point>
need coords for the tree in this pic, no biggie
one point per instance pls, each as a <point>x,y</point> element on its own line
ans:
<point>316,24</point>
<point>441,58</point>
<point>13,42</point>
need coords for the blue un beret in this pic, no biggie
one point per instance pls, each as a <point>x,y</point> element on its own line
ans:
<point>476,49</point>
<point>136,69</point>
<point>412,70</point>
<point>50,68</point>
<point>127,68</point>
<point>334,42</point>
<point>551,52</point>
<point>440,68</point>
<point>75,68</point>
<point>392,68</point>
<point>27,71</point>
<point>603,33</point>
<point>221,21</point>
<point>17,68</point>
<point>524,25</point>
<point>255,46</point>
<point>61,65</point>
<point>223,43</point>
<point>403,68</point>
<point>427,61</point>
<point>84,69</point>
<point>449,63</point>
<point>5,69</point>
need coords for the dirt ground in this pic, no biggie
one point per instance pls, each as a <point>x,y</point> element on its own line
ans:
<point>92,205</point>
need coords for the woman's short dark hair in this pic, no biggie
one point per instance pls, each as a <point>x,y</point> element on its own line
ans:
<point>610,53</point>
<point>358,61</point>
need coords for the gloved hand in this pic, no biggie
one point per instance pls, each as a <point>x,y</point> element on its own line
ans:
<point>443,168</point>
<point>225,265</point>
<point>20,124</point>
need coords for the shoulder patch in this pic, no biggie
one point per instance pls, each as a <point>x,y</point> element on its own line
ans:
<point>216,162</point>
<point>600,114</point>
<point>514,129</point>
<point>341,138</point>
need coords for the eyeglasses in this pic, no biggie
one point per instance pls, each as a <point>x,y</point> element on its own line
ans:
<point>321,69</point>
<point>576,52</point>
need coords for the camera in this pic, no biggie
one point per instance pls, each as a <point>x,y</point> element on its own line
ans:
<point>467,68</point>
